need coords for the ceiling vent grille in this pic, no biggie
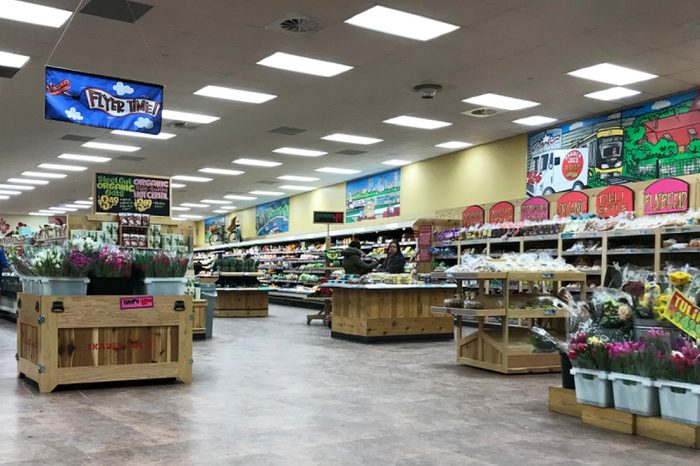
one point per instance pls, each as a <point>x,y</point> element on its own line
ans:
<point>482,112</point>
<point>131,158</point>
<point>295,24</point>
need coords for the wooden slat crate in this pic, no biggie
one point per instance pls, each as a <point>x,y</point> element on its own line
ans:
<point>199,307</point>
<point>241,303</point>
<point>81,339</point>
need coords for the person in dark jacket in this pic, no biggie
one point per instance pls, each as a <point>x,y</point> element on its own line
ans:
<point>352,260</point>
<point>395,261</point>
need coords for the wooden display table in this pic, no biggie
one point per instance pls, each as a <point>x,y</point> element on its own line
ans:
<point>370,313</point>
<point>199,327</point>
<point>241,302</point>
<point>83,339</point>
<point>505,348</point>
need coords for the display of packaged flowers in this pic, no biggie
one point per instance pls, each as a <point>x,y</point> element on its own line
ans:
<point>161,264</point>
<point>112,262</point>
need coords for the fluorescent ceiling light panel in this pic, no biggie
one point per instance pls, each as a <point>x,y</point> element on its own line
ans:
<point>454,145</point>
<point>415,122</point>
<point>297,178</point>
<point>238,95</point>
<point>216,201</point>
<point>189,117</point>
<point>195,179</point>
<point>227,208</point>
<point>8,192</point>
<point>44,175</point>
<point>135,134</point>
<point>535,120</point>
<point>299,64</point>
<point>63,209</point>
<point>16,186</point>
<point>4,197</point>
<point>501,102</point>
<point>339,171</point>
<point>34,14</point>
<point>612,74</point>
<point>351,139</point>
<point>58,166</point>
<point>266,193</point>
<point>238,197</point>
<point>37,214</point>
<point>83,202</point>
<point>177,185</point>
<point>614,93</point>
<point>221,171</point>
<point>180,209</point>
<point>300,152</point>
<point>12,60</point>
<point>294,187</point>
<point>257,163</point>
<point>78,206</point>
<point>400,23</point>
<point>27,181</point>
<point>193,204</point>
<point>220,211</point>
<point>114,147</point>
<point>85,158</point>
<point>396,162</point>
<point>191,217</point>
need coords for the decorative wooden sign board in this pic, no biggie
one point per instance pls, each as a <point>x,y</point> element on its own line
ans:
<point>502,212</point>
<point>614,200</point>
<point>425,241</point>
<point>666,196</point>
<point>472,215</point>
<point>572,203</point>
<point>535,209</point>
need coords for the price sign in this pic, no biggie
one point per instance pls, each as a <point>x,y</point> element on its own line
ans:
<point>328,217</point>
<point>132,194</point>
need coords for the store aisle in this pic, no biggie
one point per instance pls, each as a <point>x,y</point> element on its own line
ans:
<point>276,391</point>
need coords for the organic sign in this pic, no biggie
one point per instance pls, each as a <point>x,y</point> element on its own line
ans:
<point>572,203</point>
<point>535,208</point>
<point>425,240</point>
<point>472,215</point>
<point>666,196</point>
<point>614,200</point>
<point>501,212</point>
<point>102,101</point>
<point>132,194</point>
<point>682,313</point>
<point>136,302</point>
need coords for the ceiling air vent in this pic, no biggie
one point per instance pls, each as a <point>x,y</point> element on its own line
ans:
<point>294,24</point>
<point>126,11</point>
<point>131,158</point>
<point>287,130</point>
<point>76,137</point>
<point>482,112</point>
<point>267,182</point>
<point>351,152</point>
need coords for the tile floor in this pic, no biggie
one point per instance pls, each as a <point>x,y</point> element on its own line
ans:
<point>275,391</point>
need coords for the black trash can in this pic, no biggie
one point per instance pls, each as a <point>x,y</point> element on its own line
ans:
<point>567,380</point>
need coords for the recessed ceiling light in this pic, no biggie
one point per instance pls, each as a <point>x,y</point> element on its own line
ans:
<point>351,139</point>
<point>44,175</point>
<point>257,163</point>
<point>339,171</point>
<point>216,201</point>
<point>16,186</point>
<point>27,181</point>
<point>59,166</point>
<point>4,197</point>
<point>189,117</point>
<point>114,147</point>
<point>177,185</point>
<point>180,209</point>
<point>535,120</point>
<point>400,23</point>
<point>454,145</point>
<point>227,208</point>
<point>12,60</point>
<point>63,209</point>
<point>500,101</point>
<point>83,202</point>
<point>221,171</point>
<point>415,122</point>
<point>238,197</point>
<point>300,152</point>
<point>191,217</point>
<point>9,192</point>
<point>220,211</point>
<point>299,64</point>
<point>297,178</point>
<point>612,74</point>
<point>78,206</point>
<point>614,93</point>
<point>195,179</point>
<point>136,134</point>
<point>85,158</point>
<point>34,14</point>
<point>294,187</point>
<point>194,204</point>
<point>51,212</point>
<point>266,193</point>
<point>238,95</point>
<point>37,214</point>
<point>396,162</point>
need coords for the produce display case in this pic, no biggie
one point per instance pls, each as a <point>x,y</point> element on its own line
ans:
<point>242,302</point>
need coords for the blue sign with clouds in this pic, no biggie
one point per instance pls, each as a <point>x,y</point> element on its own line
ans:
<point>93,100</point>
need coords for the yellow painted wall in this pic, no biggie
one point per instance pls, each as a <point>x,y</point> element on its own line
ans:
<point>487,173</point>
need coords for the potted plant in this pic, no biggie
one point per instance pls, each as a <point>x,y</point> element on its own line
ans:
<point>589,356</point>
<point>112,273</point>
<point>163,273</point>
<point>679,383</point>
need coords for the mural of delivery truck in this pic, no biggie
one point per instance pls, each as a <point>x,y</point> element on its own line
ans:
<point>557,170</point>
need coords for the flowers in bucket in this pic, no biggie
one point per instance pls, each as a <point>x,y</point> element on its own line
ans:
<point>79,257</point>
<point>683,363</point>
<point>588,351</point>
<point>48,262</point>
<point>161,264</point>
<point>111,262</point>
<point>644,358</point>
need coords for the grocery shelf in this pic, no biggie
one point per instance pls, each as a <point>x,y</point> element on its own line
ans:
<point>679,250</point>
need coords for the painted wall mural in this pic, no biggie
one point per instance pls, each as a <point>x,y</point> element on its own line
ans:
<point>272,217</point>
<point>375,196</point>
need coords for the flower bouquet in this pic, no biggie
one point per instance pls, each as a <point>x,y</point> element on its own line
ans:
<point>679,384</point>
<point>163,272</point>
<point>589,356</point>
<point>112,273</point>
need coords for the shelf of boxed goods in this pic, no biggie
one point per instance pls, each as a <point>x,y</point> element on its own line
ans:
<point>505,349</point>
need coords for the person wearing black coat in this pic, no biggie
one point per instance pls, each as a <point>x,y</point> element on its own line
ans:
<point>395,261</point>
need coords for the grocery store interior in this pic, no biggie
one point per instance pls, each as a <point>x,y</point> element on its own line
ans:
<point>312,232</point>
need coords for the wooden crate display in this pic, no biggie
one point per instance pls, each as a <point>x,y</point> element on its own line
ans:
<point>381,313</point>
<point>199,308</point>
<point>238,302</point>
<point>83,339</point>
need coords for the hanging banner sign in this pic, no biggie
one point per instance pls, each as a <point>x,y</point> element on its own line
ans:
<point>472,215</point>
<point>535,209</point>
<point>501,212</point>
<point>132,194</point>
<point>425,241</point>
<point>666,196</point>
<point>572,203</point>
<point>101,101</point>
<point>682,313</point>
<point>614,200</point>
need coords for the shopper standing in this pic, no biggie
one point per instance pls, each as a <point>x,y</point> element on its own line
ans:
<point>352,260</point>
<point>395,261</point>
